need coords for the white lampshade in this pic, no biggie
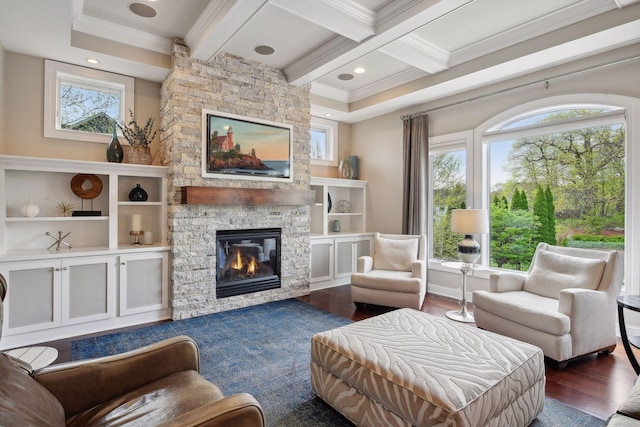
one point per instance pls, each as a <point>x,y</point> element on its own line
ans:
<point>469,221</point>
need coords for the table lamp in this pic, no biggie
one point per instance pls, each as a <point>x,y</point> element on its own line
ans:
<point>469,222</point>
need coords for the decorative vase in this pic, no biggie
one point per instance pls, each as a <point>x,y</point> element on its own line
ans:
<point>115,154</point>
<point>354,166</point>
<point>345,169</point>
<point>30,209</point>
<point>138,194</point>
<point>140,154</point>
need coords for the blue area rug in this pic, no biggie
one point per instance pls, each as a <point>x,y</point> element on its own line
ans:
<point>264,350</point>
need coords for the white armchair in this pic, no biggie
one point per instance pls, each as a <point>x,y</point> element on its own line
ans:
<point>395,275</point>
<point>565,304</point>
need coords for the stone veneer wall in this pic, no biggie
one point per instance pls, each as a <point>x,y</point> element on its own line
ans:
<point>234,85</point>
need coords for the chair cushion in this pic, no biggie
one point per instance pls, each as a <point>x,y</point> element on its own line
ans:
<point>391,254</point>
<point>396,281</point>
<point>23,401</point>
<point>552,272</point>
<point>532,310</point>
<point>152,404</point>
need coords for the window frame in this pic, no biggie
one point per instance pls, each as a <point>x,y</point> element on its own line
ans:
<point>442,144</point>
<point>55,71</point>
<point>330,127</point>
<point>631,113</point>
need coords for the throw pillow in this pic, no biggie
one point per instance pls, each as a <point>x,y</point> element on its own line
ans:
<point>554,272</point>
<point>392,254</point>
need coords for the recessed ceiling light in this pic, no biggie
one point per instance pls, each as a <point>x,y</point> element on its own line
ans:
<point>345,76</point>
<point>359,70</point>
<point>92,61</point>
<point>264,50</point>
<point>142,10</point>
<point>327,114</point>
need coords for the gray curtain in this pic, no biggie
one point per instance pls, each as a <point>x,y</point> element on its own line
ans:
<point>416,174</point>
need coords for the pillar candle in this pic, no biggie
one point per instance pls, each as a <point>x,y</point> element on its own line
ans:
<point>136,222</point>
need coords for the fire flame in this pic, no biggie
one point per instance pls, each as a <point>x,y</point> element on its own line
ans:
<point>239,265</point>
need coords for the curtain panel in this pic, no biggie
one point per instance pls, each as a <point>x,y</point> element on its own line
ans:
<point>416,174</point>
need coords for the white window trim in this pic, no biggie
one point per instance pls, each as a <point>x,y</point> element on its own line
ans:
<point>53,71</point>
<point>632,185</point>
<point>331,129</point>
<point>441,144</point>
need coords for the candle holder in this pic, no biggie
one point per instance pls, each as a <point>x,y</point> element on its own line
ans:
<point>136,237</point>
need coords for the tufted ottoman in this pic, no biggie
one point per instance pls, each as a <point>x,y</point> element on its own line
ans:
<point>407,368</point>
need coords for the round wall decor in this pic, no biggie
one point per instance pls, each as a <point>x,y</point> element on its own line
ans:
<point>86,186</point>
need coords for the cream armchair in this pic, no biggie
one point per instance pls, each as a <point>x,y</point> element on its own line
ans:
<point>565,304</point>
<point>395,275</point>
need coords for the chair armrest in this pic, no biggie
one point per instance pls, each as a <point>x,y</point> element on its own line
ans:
<point>236,410</point>
<point>506,281</point>
<point>593,317</point>
<point>365,264</point>
<point>83,384</point>
<point>419,270</point>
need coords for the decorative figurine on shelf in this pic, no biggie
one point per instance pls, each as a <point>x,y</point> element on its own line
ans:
<point>87,187</point>
<point>59,240</point>
<point>65,208</point>
<point>30,209</point>
<point>345,169</point>
<point>115,153</point>
<point>138,194</point>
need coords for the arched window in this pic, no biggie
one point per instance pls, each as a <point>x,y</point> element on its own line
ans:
<point>556,175</point>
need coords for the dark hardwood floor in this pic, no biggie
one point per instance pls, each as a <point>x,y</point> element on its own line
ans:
<point>593,384</point>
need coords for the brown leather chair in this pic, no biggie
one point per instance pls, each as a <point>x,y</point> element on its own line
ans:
<point>155,385</point>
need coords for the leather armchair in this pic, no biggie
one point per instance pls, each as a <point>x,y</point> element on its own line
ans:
<point>155,385</point>
<point>395,275</point>
<point>565,304</point>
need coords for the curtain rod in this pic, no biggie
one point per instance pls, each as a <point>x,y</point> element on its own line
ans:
<point>544,80</point>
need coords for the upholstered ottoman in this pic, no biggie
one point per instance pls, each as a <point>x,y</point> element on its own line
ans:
<point>407,368</point>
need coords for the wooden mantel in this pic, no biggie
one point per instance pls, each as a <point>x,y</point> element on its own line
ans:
<point>227,196</point>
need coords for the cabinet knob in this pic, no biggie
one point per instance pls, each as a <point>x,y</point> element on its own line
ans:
<point>122,263</point>
<point>56,269</point>
<point>65,268</point>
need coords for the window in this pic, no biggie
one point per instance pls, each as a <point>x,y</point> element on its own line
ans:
<point>324,142</point>
<point>82,103</point>
<point>448,178</point>
<point>556,176</point>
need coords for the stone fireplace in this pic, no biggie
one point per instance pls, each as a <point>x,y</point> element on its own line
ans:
<point>233,85</point>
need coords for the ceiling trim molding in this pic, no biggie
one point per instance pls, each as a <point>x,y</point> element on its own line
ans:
<point>551,22</point>
<point>329,92</point>
<point>343,17</point>
<point>419,53</point>
<point>120,33</point>
<point>403,77</point>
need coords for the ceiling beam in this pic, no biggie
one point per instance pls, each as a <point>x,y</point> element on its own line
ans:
<point>419,53</point>
<point>403,18</point>
<point>344,17</point>
<point>219,22</point>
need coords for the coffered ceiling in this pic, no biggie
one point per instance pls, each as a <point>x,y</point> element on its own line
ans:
<point>412,51</point>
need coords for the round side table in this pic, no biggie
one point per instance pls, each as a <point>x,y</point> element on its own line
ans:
<point>631,302</point>
<point>462,315</point>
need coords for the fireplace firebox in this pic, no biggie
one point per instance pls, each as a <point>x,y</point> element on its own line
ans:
<point>247,261</point>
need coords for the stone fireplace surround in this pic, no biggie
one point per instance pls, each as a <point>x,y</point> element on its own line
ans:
<point>234,85</point>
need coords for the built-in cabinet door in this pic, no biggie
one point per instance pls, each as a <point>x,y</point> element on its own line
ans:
<point>321,259</point>
<point>88,289</point>
<point>33,296</point>
<point>144,282</point>
<point>347,252</point>
<point>344,254</point>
